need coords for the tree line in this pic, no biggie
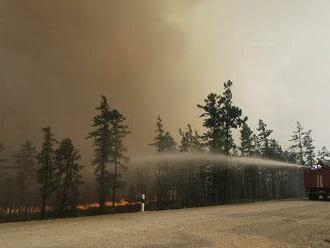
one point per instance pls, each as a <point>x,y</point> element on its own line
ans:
<point>220,118</point>
<point>55,172</point>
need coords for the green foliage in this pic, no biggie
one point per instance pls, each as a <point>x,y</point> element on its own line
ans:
<point>289,156</point>
<point>163,141</point>
<point>264,139</point>
<point>47,169</point>
<point>191,141</point>
<point>309,149</point>
<point>247,145</point>
<point>230,117</point>
<point>297,139</point>
<point>68,176</point>
<point>219,118</point>
<point>256,146</point>
<point>212,122</point>
<point>276,151</point>
<point>324,155</point>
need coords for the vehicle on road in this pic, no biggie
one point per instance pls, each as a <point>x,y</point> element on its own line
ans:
<point>317,182</point>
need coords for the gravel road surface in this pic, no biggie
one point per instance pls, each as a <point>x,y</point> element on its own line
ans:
<point>263,224</point>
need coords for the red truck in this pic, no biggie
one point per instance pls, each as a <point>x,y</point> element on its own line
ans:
<point>317,182</point>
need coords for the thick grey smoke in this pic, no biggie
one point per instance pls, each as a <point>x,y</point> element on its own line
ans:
<point>58,57</point>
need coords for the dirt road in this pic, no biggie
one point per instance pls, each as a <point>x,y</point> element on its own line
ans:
<point>266,224</point>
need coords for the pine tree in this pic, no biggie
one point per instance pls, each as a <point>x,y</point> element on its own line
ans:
<point>264,139</point>
<point>213,136</point>
<point>220,117</point>
<point>190,140</point>
<point>297,139</point>
<point>159,134</point>
<point>163,141</point>
<point>118,131</point>
<point>26,162</point>
<point>46,171</point>
<point>247,146</point>
<point>102,148</point>
<point>290,156</point>
<point>324,155</point>
<point>309,153</point>
<point>169,143</point>
<point>68,176</point>
<point>26,158</point>
<point>276,151</point>
<point>256,152</point>
<point>230,117</point>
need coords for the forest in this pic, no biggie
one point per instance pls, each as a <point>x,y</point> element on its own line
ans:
<point>199,169</point>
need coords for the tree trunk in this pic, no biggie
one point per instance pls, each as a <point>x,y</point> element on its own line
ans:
<point>115,178</point>
<point>43,207</point>
<point>102,191</point>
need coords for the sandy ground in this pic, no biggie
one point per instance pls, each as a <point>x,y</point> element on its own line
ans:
<point>266,224</point>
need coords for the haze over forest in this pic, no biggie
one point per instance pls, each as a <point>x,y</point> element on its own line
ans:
<point>160,57</point>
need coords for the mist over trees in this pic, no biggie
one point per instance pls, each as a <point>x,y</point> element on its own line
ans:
<point>48,182</point>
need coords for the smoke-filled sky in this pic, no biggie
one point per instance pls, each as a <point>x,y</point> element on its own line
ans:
<point>155,57</point>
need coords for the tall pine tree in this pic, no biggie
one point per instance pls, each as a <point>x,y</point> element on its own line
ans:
<point>247,145</point>
<point>213,136</point>
<point>256,146</point>
<point>220,117</point>
<point>102,148</point>
<point>297,147</point>
<point>276,151</point>
<point>231,117</point>
<point>163,141</point>
<point>309,153</point>
<point>118,131</point>
<point>68,176</point>
<point>264,139</point>
<point>47,169</point>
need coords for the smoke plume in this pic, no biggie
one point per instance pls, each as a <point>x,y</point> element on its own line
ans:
<point>58,57</point>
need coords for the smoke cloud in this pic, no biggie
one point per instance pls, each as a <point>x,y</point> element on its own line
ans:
<point>153,57</point>
<point>58,57</point>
